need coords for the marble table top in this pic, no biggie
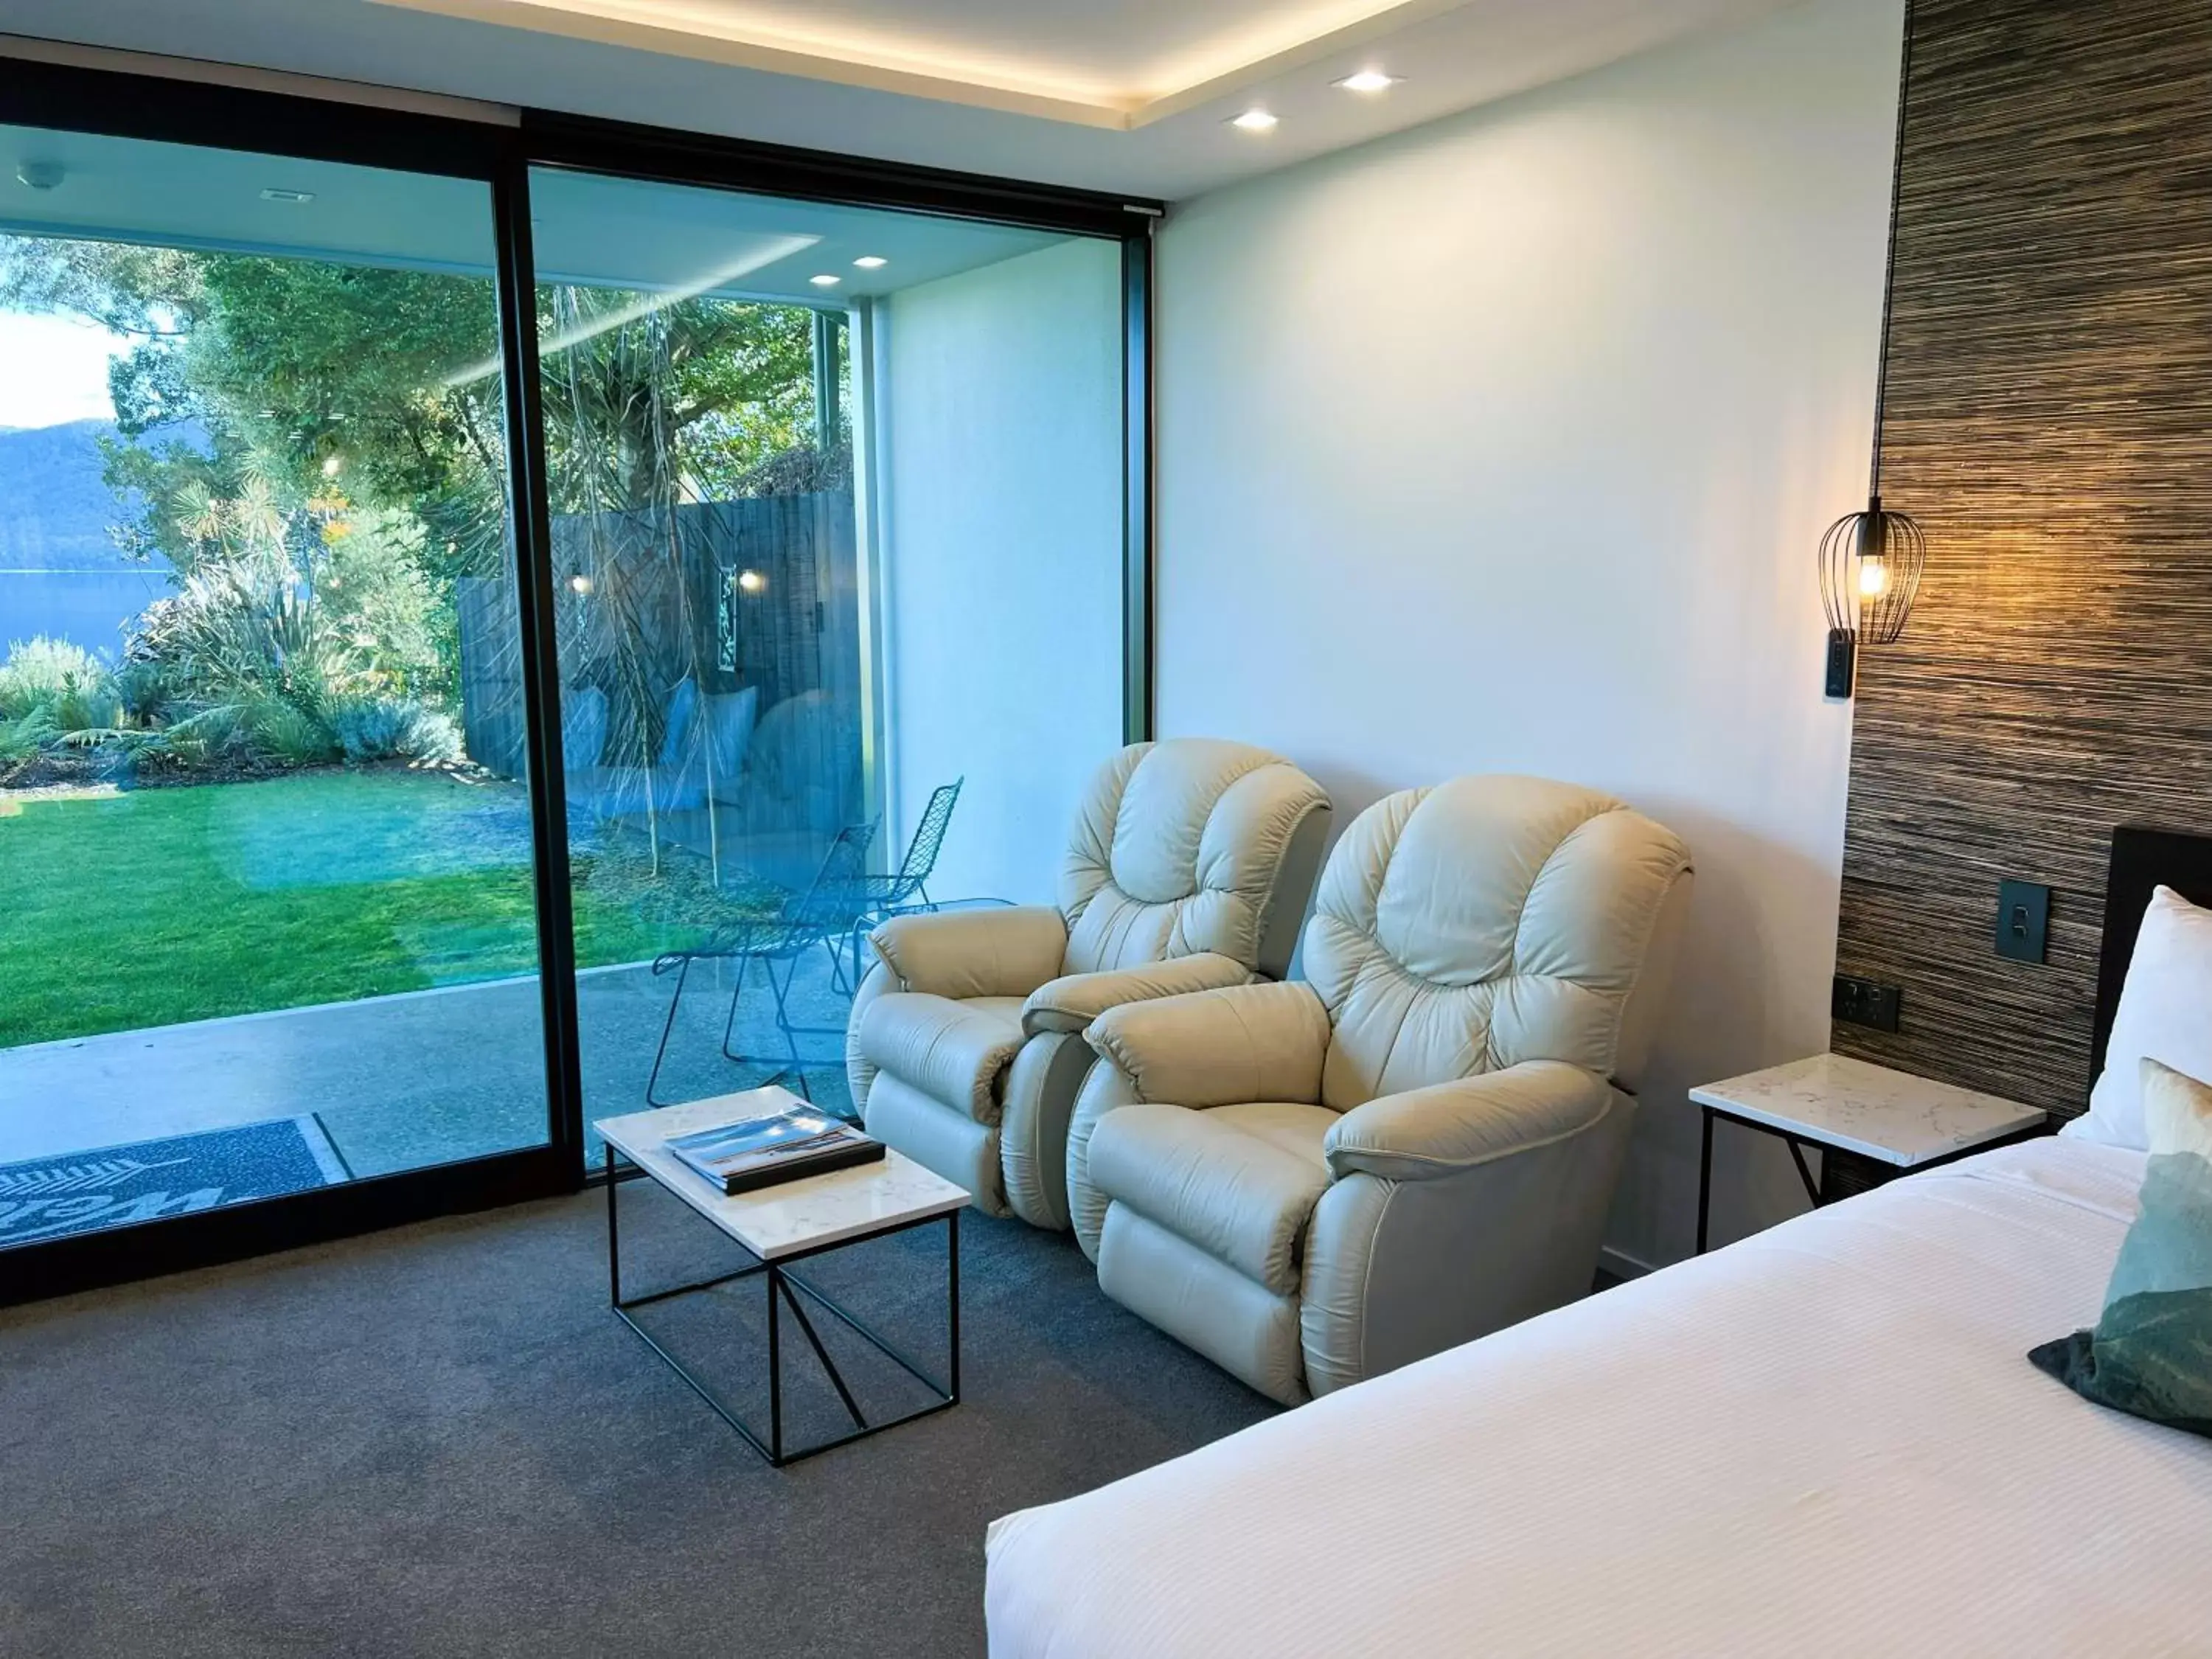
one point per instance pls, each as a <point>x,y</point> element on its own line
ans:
<point>794,1215</point>
<point>1859,1107</point>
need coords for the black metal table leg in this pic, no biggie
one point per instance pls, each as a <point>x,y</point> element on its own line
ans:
<point>828,1365</point>
<point>1804,1171</point>
<point>775,1370</point>
<point>1705,1177</point>
<point>785,1287</point>
<point>614,1235</point>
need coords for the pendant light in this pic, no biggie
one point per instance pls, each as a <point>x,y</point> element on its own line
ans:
<point>1870,562</point>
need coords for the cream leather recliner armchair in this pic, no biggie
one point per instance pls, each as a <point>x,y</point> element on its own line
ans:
<point>1311,1183</point>
<point>1190,866</point>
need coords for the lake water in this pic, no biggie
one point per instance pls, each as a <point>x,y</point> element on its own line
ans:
<point>86,607</point>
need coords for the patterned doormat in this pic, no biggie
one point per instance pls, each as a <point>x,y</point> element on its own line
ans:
<point>147,1179</point>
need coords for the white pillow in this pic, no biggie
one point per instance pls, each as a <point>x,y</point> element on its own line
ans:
<point>2165,1014</point>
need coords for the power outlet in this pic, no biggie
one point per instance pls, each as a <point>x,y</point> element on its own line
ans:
<point>1866,1002</point>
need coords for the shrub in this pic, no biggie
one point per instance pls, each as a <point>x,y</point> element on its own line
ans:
<point>433,736</point>
<point>243,629</point>
<point>146,690</point>
<point>42,672</point>
<point>285,731</point>
<point>372,589</point>
<point>374,728</point>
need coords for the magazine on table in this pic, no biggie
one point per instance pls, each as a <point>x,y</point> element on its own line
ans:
<point>786,1145</point>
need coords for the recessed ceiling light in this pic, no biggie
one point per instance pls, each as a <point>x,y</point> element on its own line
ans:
<point>825,280</point>
<point>1252,120</point>
<point>1369,80</point>
<point>872,262</point>
<point>273,194</point>
<point>39,175</point>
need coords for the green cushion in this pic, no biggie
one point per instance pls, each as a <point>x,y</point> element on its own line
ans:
<point>2151,1353</point>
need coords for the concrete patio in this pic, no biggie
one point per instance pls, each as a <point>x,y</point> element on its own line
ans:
<point>403,1081</point>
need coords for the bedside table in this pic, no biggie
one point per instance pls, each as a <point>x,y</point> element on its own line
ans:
<point>1873,1123</point>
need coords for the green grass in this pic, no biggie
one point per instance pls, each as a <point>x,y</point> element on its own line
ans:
<point>163,905</point>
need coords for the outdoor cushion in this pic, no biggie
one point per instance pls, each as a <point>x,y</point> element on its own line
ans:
<point>682,710</point>
<point>953,1050</point>
<point>1237,1181</point>
<point>583,726</point>
<point>729,735</point>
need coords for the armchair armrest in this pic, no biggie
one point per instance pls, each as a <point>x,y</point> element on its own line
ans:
<point>1425,1133</point>
<point>1003,952</point>
<point>1074,1001</point>
<point>1220,1048</point>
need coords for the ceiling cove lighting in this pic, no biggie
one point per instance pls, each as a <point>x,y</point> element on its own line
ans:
<point>295,197</point>
<point>872,262</point>
<point>825,280</point>
<point>1369,80</point>
<point>1253,120</point>
<point>1870,562</point>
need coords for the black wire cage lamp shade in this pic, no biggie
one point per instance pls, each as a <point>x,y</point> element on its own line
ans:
<point>1870,566</point>
<point>1871,561</point>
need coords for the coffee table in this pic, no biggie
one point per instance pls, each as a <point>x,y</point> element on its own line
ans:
<point>778,1226</point>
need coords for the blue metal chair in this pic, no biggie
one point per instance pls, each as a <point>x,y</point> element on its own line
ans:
<point>825,913</point>
<point>906,889</point>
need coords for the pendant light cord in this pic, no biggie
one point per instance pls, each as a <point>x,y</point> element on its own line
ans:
<point>1889,268</point>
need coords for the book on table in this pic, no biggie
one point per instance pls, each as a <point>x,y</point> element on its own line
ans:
<point>786,1145</point>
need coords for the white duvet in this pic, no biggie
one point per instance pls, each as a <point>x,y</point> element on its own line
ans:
<point>1823,1440</point>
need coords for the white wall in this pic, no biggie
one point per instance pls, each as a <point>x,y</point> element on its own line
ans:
<point>999,430</point>
<point>1505,445</point>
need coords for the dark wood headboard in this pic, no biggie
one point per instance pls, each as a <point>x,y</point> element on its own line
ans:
<point>2142,859</point>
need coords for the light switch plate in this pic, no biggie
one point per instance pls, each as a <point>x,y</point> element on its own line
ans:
<point>2023,919</point>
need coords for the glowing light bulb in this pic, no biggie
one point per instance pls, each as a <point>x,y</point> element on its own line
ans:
<point>1874,578</point>
<point>580,584</point>
<point>752,580</point>
<point>333,464</point>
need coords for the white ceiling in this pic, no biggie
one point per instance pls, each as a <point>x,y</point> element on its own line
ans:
<point>1121,95</point>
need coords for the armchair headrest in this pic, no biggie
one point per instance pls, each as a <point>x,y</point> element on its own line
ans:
<point>1483,922</point>
<point>1183,846</point>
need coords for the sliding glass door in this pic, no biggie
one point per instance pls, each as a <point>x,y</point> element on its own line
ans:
<point>489,613</point>
<point>837,515</point>
<point>266,900</point>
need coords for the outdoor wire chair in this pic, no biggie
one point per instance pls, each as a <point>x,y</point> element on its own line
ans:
<point>825,913</point>
<point>906,889</point>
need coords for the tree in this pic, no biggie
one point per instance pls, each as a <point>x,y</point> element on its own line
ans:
<point>274,407</point>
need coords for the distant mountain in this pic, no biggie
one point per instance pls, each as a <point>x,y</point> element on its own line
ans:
<point>55,511</point>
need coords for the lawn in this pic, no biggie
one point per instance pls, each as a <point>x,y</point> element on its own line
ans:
<point>158,906</point>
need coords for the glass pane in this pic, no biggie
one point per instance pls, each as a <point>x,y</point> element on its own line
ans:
<point>837,521</point>
<point>265,890</point>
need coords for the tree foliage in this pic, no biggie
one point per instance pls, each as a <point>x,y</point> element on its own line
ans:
<point>346,421</point>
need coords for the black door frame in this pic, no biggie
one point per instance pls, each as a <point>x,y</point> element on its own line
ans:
<point>186,111</point>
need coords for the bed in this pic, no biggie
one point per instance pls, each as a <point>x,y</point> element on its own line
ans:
<point>1824,1439</point>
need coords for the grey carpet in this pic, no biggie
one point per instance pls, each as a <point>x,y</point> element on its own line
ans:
<point>439,1441</point>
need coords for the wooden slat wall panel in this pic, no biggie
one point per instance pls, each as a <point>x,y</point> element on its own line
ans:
<point>2051,426</point>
